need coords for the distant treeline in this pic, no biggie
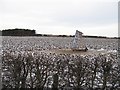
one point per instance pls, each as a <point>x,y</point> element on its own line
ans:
<point>28,32</point>
<point>18,32</point>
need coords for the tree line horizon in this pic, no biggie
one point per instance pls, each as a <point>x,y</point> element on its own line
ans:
<point>29,32</point>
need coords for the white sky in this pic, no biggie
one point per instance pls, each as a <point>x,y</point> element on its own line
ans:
<point>92,17</point>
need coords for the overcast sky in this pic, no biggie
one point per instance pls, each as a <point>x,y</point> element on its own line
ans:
<point>92,17</point>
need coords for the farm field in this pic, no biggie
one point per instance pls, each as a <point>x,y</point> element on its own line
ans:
<point>43,43</point>
<point>25,66</point>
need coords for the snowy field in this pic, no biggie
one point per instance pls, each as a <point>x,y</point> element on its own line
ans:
<point>25,66</point>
